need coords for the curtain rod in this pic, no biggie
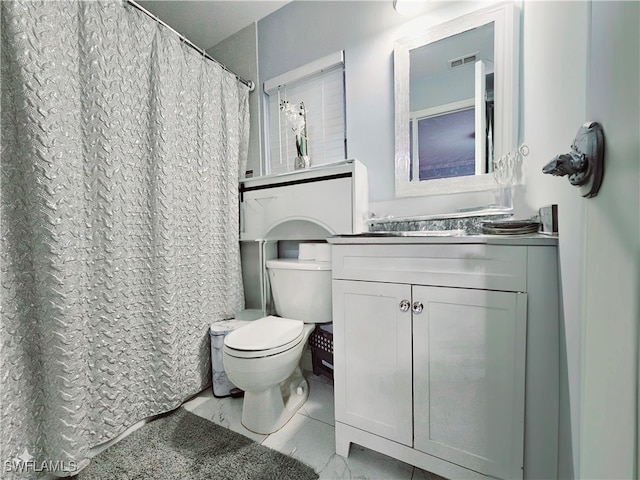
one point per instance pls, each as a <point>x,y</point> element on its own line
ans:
<point>184,39</point>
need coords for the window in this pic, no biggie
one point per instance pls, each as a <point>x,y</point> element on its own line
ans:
<point>320,86</point>
<point>444,143</point>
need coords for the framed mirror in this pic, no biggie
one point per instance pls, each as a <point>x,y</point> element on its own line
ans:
<point>456,98</point>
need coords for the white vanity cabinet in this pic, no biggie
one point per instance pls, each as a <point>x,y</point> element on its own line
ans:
<point>372,358</point>
<point>469,370</point>
<point>445,354</point>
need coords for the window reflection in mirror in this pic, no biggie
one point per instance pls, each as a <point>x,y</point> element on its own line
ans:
<point>451,100</point>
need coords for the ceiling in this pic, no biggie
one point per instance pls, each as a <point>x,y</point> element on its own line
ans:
<point>207,22</point>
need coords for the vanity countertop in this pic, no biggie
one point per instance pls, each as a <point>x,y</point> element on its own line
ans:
<point>407,238</point>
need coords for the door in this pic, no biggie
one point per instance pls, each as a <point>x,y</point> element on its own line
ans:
<point>469,371</point>
<point>372,357</point>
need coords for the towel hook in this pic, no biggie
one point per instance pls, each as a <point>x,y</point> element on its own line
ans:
<point>584,164</point>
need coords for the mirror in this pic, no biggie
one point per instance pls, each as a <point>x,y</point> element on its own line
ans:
<point>452,81</point>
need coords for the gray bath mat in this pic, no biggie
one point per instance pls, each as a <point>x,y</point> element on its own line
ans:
<point>185,446</point>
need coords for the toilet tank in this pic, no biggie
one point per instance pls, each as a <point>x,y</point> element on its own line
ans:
<point>301,289</point>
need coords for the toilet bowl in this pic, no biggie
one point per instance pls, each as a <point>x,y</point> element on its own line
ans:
<point>262,358</point>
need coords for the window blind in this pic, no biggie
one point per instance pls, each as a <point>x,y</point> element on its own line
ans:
<point>322,93</point>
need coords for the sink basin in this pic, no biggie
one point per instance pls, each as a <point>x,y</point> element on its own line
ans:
<point>413,233</point>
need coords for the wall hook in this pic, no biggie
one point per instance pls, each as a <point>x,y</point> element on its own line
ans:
<point>584,164</point>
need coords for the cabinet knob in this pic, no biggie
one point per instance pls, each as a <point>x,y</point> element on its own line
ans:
<point>417,307</point>
<point>404,305</point>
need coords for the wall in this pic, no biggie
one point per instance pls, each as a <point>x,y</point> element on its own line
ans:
<point>302,32</point>
<point>434,83</point>
<point>552,108</point>
<point>579,62</point>
<point>239,53</point>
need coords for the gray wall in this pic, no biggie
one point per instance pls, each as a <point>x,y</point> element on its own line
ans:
<point>239,53</point>
<point>304,31</point>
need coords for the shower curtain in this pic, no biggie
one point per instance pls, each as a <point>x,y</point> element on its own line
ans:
<point>121,153</point>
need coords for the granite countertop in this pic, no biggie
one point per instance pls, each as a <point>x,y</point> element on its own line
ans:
<point>469,222</point>
<point>461,227</point>
<point>406,238</point>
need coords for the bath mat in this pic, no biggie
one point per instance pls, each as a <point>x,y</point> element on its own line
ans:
<point>185,446</point>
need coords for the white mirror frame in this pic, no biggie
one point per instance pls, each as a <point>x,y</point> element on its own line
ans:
<point>506,93</point>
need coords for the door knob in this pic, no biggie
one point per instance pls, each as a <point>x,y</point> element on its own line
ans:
<point>404,305</point>
<point>417,307</point>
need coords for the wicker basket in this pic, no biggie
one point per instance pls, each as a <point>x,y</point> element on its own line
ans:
<point>321,343</point>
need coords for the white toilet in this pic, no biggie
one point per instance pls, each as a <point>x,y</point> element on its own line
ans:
<point>262,358</point>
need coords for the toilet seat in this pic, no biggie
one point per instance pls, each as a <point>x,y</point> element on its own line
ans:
<point>264,337</point>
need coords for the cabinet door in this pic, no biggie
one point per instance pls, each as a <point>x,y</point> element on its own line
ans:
<point>327,203</point>
<point>372,358</point>
<point>469,366</point>
<point>262,209</point>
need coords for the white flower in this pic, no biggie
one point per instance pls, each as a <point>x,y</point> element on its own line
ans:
<point>296,116</point>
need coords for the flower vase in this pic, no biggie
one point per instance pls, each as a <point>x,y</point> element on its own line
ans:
<point>302,161</point>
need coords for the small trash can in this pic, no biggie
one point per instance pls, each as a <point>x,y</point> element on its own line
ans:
<point>221,384</point>
<point>217,331</point>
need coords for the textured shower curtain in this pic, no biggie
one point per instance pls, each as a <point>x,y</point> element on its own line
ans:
<point>121,153</point>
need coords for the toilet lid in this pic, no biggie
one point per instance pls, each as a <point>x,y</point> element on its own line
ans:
<point>264,334</point>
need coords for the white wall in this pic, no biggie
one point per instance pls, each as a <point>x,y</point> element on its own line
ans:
<point>553,107</point>
<point>577,65</point>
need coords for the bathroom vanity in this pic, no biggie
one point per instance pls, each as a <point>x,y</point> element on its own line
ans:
<point>446,351</point>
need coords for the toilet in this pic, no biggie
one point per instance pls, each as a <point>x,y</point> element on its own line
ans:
<point>263,357</point>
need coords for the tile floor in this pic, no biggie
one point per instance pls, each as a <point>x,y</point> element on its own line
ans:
<point>309,437</point>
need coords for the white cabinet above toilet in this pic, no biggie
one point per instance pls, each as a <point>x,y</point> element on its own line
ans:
<point>305,204</point>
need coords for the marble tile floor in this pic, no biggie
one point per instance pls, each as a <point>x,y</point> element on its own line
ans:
<point>309,437</point>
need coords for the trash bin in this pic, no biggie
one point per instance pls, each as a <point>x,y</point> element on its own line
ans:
<point>217,331</point>
<point>321,342</point>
